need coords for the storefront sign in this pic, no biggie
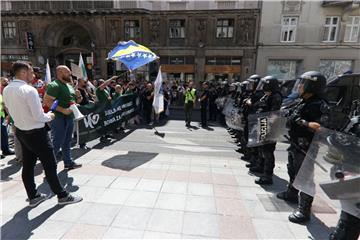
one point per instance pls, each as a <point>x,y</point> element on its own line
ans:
<point>12,58</point>
<point>186,68</point>
<point>222,69</point>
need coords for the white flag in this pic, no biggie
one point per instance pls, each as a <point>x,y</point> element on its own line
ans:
<point>47,79</point>
<point>158,102</point>
<point>82,67</point>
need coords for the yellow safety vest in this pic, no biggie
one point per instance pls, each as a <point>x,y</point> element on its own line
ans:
<point>190,96</point>
<point>2,112</point>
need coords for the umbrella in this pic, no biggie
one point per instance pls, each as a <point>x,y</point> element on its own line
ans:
<point>131,54</point>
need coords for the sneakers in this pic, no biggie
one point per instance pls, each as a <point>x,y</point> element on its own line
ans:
<point>70,199</point>
<point>73,166</point>
<point>38,199</point>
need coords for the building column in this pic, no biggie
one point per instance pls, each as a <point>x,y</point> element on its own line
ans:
<point>102,63</point>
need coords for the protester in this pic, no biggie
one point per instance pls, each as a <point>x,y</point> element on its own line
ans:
<point>4,83</point>
<point>86,96</point>
<point>5,149</point>
<point>118,92</point>
<point>167,100</point>
<point>102,92</point>
<point>147,102</point>
<point>23,103</point>
<point>38,84</point>
<point>104,97</point>
<point>63,125</point>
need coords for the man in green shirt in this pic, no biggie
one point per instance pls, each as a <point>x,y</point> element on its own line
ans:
<point>103,96</point>
<point>63,124</point>
<point>102,92</point>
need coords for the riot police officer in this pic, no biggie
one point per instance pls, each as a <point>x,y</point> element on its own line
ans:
<point>348,226</point>
<point>303,121</point>
<point>250,154</point>
<point>270,101</point>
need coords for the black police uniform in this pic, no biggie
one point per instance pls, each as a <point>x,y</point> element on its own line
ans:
<point>348,227</point>
<point>203,107</point>
<point>272,102</point>
<point>212,105</point>
<point>308,110</point>
<point>252,153</point>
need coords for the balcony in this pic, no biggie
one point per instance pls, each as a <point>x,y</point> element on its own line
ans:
<point>55,5</point>
<point>178,5</point>
<point>328,3</point>
<point>226,4</point>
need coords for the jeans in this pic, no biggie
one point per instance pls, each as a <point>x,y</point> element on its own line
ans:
<point>62,130</point>
<point>4,138</point>
<point>36,144</point>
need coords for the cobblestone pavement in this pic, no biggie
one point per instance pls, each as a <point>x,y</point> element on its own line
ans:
<point>180,183</point>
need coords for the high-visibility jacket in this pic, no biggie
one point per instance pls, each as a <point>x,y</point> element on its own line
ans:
<point>2,112</point>
<point>190,95</point>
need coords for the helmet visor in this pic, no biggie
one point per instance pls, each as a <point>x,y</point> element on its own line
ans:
<point>260,86</point>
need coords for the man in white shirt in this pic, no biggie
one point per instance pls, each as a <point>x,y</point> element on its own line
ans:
<point>24,106</point>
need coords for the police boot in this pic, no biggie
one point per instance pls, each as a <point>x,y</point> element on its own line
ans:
<point>256,169</point>
<point>249,165</point>
<point>348,228</point>
<point>303,211</point>
<point>290,195</point>
<point>339,232</point>
<point>264,180</point>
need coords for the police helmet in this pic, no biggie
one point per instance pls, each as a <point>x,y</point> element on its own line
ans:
<point>269,84</point>
<point>244,85</point>
<point>314,82</point>
<point>253,81</point>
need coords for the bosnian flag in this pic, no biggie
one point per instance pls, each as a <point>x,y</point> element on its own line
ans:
<point>47,79</point>
<point>82,67</point>
<point>158,102</point>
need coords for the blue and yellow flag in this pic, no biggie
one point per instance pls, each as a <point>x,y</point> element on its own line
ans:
<point>131,54</point>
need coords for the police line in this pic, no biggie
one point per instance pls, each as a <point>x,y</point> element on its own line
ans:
<point>100,119</point>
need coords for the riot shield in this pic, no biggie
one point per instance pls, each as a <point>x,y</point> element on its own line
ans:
<point>235,120</point>
<point>267,127</point>
<point>220,102</point>
<point>228,106</point>
<point>331,170</point>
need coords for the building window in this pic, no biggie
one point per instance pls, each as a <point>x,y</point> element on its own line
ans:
<point>330,29</point>
<point>331,68</point>
<point>225,28</point>
<point>283,69</point>
<point>9,30</point>
<point>132,29</point>
<point>352,29</point>
<point>288,29</point>
<point>177,29</point>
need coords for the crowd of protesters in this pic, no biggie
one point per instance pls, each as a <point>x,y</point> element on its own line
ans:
<point>82,92</point>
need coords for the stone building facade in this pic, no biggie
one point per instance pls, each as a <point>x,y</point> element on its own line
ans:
<point>297,36</point>
<point>194,43</point>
